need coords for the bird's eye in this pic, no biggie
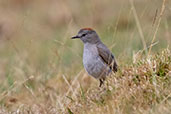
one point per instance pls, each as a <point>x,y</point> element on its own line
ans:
<point>83,35</point>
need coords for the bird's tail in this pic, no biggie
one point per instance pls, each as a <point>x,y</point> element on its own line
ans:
<point>115,66</point>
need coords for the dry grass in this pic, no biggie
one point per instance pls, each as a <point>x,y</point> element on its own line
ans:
<point>158,24</point>
<point>41,70</point>
<point>141,87</point>
<point>137,88</point>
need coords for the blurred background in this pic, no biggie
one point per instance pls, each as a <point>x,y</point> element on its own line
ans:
<point>35,34</point>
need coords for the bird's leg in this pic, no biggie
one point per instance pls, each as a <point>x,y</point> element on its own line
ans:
<point>101,82</point>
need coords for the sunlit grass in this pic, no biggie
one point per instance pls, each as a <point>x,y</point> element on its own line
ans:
<point>41,68</point>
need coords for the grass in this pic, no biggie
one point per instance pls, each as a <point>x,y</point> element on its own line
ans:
<point>41,69</point>
<point>137,88</point>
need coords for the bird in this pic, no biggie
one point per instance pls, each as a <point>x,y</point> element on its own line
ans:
<point>98,60</point>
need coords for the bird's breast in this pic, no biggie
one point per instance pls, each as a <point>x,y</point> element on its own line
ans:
<point>92,61</point>
<point>89,55</point>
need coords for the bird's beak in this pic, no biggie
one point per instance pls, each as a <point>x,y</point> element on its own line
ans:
<point>74,37</point>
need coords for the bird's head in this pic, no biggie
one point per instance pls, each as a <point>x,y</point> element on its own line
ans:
<point>87,35</point>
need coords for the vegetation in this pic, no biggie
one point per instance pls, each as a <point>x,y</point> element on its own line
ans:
<point>41,69</point>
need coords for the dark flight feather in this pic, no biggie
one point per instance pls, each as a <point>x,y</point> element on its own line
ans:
<point>107,56</point>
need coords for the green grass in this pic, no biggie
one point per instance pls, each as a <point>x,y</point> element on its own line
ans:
<point>41,67</point>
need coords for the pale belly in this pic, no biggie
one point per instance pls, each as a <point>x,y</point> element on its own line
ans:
<point>93,64</point>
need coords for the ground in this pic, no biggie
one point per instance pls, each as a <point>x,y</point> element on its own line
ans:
<point>41,69</point>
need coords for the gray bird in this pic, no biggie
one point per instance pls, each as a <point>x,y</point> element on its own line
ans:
<point>98,60</point>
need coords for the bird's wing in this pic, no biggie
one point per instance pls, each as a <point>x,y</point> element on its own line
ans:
<point>107,56</point>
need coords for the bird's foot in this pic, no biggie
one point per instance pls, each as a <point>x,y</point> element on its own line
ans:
<point>101,82</point>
